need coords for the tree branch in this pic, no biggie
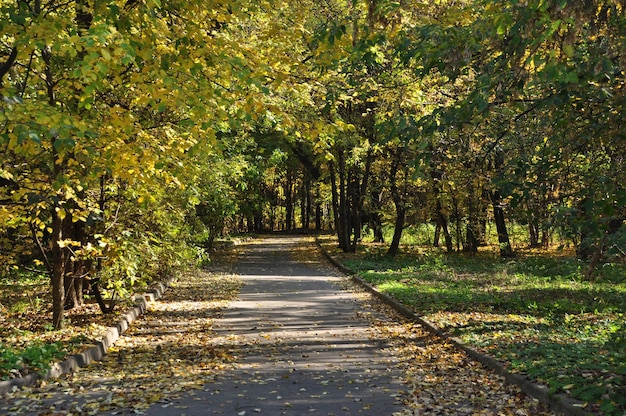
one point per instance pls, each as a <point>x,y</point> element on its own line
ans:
<point>41,249</point>
<point>6,66</point>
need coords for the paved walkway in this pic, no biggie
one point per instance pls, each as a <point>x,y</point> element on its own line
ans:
<point>302,348</point>
<point>293,343</point>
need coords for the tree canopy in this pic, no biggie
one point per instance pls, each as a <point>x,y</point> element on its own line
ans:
<point>133,132</point>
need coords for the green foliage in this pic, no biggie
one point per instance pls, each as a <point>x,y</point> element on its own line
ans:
<point>130,134</point>
<point>34,357</point>
<point>103,133</point>
<point>617,342</point>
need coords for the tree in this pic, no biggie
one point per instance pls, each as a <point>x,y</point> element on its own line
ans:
<point>552,62</point>
<point>99,121</point>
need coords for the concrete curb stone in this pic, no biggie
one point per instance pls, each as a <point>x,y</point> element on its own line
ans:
<point>96,352</point>
<point>557,402</point>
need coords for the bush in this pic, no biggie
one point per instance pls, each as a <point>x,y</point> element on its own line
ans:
<point>35,357</point>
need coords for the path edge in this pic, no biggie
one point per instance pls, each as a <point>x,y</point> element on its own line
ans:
<point>559,403</point>
<point>99,350</point>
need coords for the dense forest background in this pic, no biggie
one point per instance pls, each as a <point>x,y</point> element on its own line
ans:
<point>133,133</point>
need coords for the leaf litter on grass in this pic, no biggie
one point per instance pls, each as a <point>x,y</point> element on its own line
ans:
<point>167,351</point>
<point>440,378</point>
<point>27,342</point>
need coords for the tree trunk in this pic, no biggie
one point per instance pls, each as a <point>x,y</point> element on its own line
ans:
<point>289,200</point>
<point>398,228</point>
<point>533,231</point>
<point>71,275</point>
<point>337,209</point>
<point>58,271</point>
<point>80,268</point>
<point>442,224</point>
<point>398,196</point>
<point>359,191</point>
<point>437,175</point>
<point>378,230</point>
<point>308,205</point>
<point>353,204</point>
<point>503,235</point>
<point>457,221</point>
<point>272,217</point>
<point>318,210</point>
<point>59,253</point>
<point>375,220</point>
<point>67,288</point>
<point>498,211</point>
<point>258,222</point>
<point>595,259</point>
<point>344,218</point>
<point>95,289</point>
<point>471,230</point>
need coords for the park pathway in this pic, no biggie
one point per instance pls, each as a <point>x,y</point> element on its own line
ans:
<point>302,347</point>
<point>294,341</point>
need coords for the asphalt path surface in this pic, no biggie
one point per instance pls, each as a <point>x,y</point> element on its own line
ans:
<point>302,348</point>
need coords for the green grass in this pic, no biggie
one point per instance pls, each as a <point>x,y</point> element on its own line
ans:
<point>536,313</point>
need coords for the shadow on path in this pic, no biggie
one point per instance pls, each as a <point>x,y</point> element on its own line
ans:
<point>300,346</point>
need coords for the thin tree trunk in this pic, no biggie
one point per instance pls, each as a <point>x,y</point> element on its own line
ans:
<point>398,228</point>
<point>376,222</point>
<point>62,225</point>
<point>318,210</point>
<point>339,225</point>
<point>457,219</point>
<point>308,205</point>
<point>398,199</point>
<point>533,231</point>
<point>59,253</point>
<point>344,218</point>
<point>471,236</point>
<point>360,191</point>
<point>355,216</point>
<point>498,211</point>
<point>503,235</point>
<point>442,224</point>
<point>58,272</point>
<point>288,199</point>
<point>598,251</point>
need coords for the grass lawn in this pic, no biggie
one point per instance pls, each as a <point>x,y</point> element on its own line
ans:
<point>535,312</point>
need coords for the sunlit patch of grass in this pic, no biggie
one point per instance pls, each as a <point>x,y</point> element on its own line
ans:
<point>23,292</point>
<point>536,312</point>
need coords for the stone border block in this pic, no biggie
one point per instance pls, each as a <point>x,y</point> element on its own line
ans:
<point>96,352</point>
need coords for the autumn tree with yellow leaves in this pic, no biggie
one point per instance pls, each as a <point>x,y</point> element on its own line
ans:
<point>107,110</point>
